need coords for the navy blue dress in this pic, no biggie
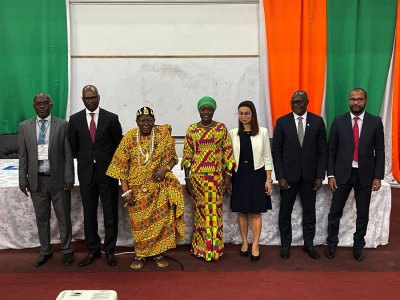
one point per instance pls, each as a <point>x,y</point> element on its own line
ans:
<point>248,185</point>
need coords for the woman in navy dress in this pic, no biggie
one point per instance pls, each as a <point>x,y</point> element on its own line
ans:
<point>251,181</point>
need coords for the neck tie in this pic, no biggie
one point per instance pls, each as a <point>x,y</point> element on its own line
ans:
<point>356,135</point>
<point>92,127</point>
<point>300,130</point>
<point>42,132</point>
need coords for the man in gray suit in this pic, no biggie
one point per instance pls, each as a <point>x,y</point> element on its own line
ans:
<point>46,171</point>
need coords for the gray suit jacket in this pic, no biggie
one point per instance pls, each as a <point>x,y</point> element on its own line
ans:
<point>60,155</point>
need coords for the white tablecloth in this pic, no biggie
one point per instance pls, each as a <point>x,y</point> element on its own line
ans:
<point>18,226</point>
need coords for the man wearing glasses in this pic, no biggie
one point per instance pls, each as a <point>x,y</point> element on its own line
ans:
<point>94,135</point>
<point>356,160</point>
<point>299,152</point>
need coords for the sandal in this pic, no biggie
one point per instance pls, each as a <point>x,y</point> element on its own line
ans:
<point>138,263</point>
<point>160,261</point>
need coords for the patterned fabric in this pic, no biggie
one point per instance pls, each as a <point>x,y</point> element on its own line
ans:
<point>208,153</point>
<point>156,217</point>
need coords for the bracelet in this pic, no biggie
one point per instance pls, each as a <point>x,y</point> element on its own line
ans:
<point>126,193</point>
<point>228,173</point>
<point>187,177</point>
<point>168,167</point>
<point>270,180</point>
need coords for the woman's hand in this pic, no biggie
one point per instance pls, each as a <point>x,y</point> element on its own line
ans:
<point>228,183</point>
<point>268,187</point>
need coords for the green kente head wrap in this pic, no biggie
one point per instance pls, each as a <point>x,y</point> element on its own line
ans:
<point>207,101</point>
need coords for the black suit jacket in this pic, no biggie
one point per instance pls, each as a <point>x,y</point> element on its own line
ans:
<point>292,161</point>
<point>108,136</point>
<point>371,151</point>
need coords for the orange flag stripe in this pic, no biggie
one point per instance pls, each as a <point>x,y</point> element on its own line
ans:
<point>296,38</point>
<point>395,103</point>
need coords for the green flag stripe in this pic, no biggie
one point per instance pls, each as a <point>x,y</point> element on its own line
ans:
<point>360,44</point>
<point>33,58</point>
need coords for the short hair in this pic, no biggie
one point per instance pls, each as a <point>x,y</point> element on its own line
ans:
<point>42,95</point>
<point>357,90</point>
<point>90,87</point>
<point>300,93</point>
<point>254,122</point>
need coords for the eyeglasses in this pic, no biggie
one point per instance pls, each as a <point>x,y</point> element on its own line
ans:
<point>244,114</point>
<point>357,99</point>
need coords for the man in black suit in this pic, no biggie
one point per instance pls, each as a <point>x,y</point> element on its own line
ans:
<point>94,135</point>
<point>46,171</point>
<point>299,152</point>
<point>356,160</point>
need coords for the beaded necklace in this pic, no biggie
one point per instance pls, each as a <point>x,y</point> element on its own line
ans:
<point>148,154</point>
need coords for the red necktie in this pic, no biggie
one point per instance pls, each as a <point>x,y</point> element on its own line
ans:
<point>92,127</point>
<point>356,135</point>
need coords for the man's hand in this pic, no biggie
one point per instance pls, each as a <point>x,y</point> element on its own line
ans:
<point>24,189</point>
<point>159,173</point>
<point>332,184</point>
<point>376,185</point>
<point>128,199</point>
<point>317,184</point>
<point>68,186</point>
<point>283,184</point>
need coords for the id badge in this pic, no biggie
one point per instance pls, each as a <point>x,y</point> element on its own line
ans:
<point>43,152</point>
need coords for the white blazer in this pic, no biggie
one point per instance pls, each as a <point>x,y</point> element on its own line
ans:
<point>261,148</point>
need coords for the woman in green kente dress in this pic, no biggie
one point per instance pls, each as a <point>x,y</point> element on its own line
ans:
<point>154,196</point>
<point>207,161</point>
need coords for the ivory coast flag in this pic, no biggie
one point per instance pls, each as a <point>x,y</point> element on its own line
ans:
<point>396,104</point>
<point>33,58</point>
<point>328,47</point>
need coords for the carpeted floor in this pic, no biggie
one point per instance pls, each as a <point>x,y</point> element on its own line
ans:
<point>300,277</point>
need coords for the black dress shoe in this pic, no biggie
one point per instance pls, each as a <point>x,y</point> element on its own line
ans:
<point>285,252</point>
<point>68,259</point>
<point>90,258</point>
<point>43,258</point>
<point>254,258</point>
<point>111,259</point>
<point>330,251</point>
<point>311,252</point>
<point>358,254</point>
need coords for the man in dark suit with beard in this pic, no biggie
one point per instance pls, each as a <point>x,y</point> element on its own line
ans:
<point>94,135</point>
<point>299,152</point>
<point>356,160</point>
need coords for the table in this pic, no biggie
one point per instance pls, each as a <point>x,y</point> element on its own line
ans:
<point>18,226</point>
